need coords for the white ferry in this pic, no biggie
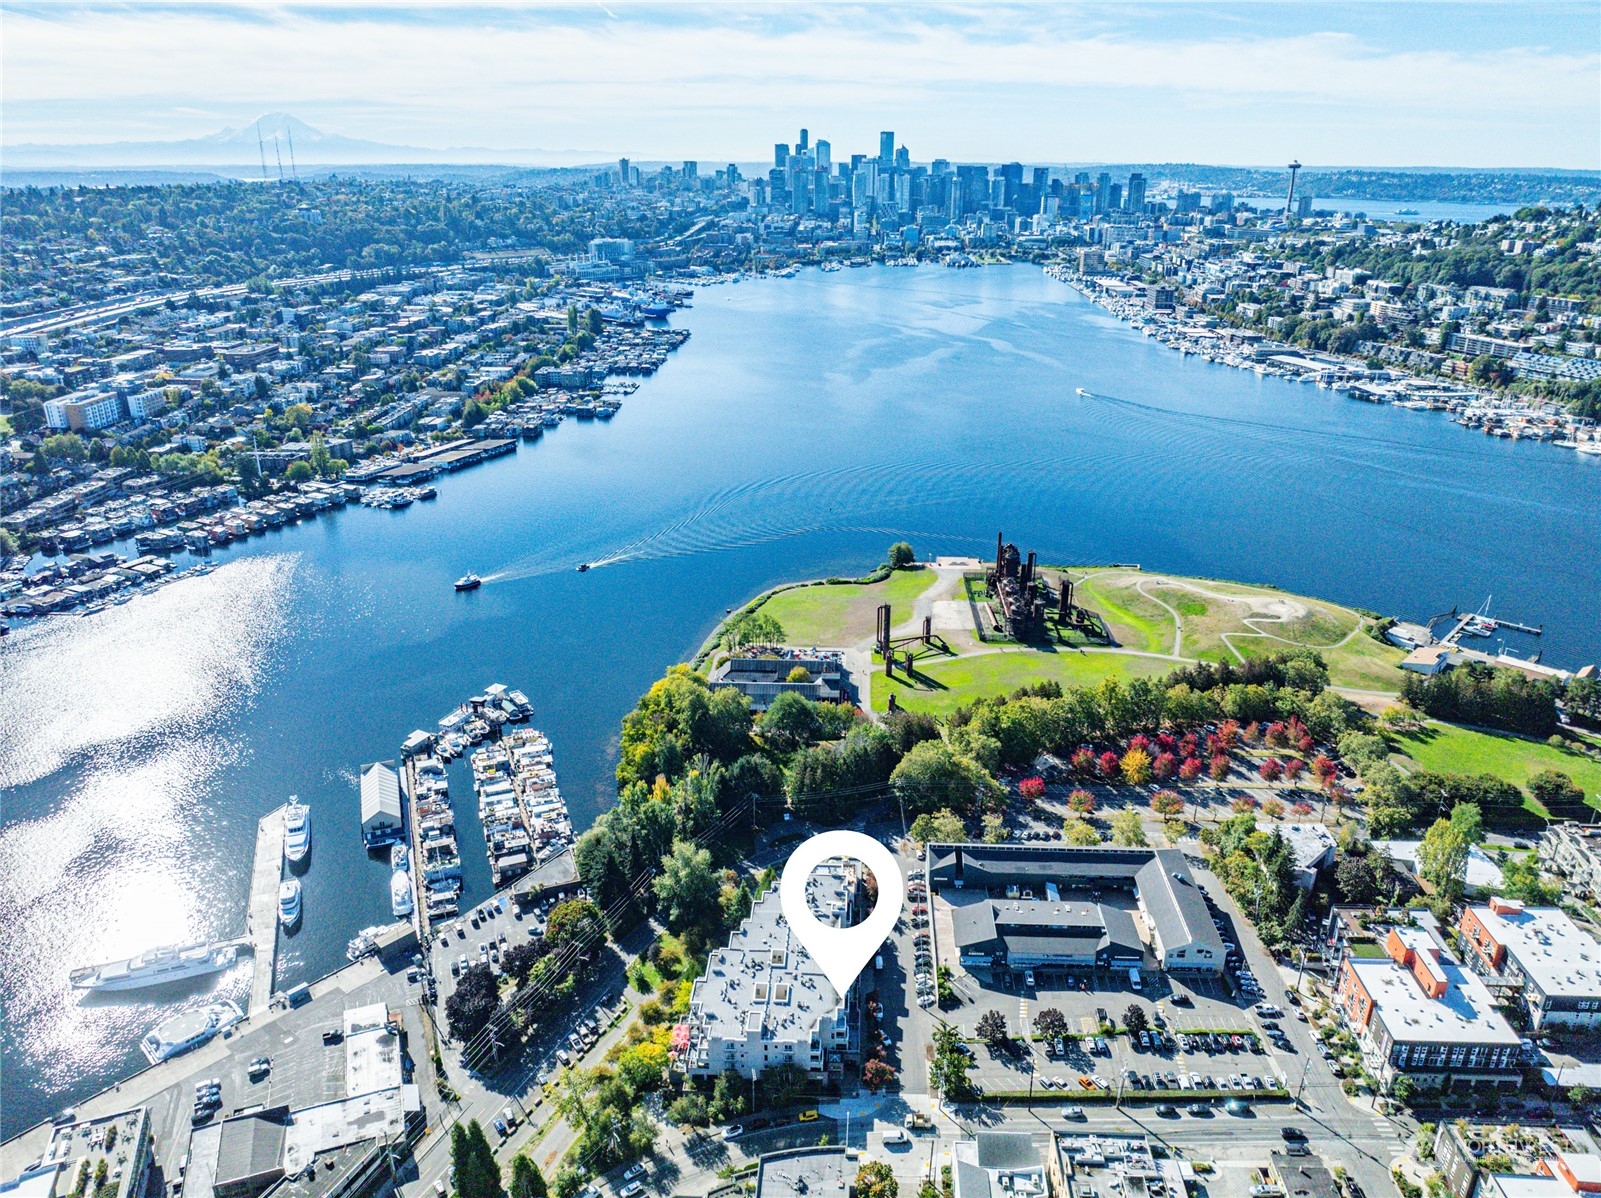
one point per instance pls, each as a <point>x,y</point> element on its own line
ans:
<point>156,966</point>
<point>297,830</point>
<point>289,903</point>
<point>189,1030</point>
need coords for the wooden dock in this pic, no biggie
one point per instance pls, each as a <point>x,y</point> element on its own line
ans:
<point>261,923</point>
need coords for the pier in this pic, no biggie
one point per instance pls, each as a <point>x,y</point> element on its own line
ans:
<point>261,924</point>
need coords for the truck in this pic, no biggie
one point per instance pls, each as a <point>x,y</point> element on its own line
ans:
<point>917,1121</point>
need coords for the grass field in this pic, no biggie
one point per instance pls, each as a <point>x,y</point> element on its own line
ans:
<point>960,680</point>
<point>842,614</point>
<point>1447,748</point>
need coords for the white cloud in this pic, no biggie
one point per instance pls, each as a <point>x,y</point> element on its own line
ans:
<point>1058,83</point>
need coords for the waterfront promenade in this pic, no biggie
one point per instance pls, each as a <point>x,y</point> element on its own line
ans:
<point>261,921</point>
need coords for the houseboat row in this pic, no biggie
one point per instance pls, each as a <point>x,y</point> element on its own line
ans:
<point>524,816</point>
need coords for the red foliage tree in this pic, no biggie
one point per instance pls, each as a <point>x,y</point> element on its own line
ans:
<point>1032,788</point>
<point>1166,743</point>
<point>1111,765</point>
<point>1243,804</point>
<point>1219,768</point>
<point>1187,745</point>
<point>1083,760</point>
<point>1324,767</point>
<point>1167,802</point>
<point>1164,765</point>
<point>1251,731</point>
<point>1304,744</point>
<point>1229,735</point>
<point>1301,808</point>
<point>1081,802</point>
<point>1272,770</point>
<point>1190,770</point>
<point>1276,735</point>
<point>878,1074</point>
<point>1141,742</point>
<point>1293,768</point>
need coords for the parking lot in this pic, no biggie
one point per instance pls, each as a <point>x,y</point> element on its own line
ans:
<point>481,934</point>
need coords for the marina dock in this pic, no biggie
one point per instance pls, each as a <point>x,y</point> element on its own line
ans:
<point>261,925</point>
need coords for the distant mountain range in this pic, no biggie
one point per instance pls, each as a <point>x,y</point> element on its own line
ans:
<point>273,139</point>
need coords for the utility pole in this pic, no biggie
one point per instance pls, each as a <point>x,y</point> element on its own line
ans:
<point>1302,1085</point>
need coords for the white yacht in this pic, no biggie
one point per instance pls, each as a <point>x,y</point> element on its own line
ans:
<point>297,830</point>
<point>289,902</point>
<point>399,857</point>
<point>153,967</point>
<point>189,1030</point>
<point>401,902</point>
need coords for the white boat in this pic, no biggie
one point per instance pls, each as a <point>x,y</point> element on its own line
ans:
<point>168,963</point>
<point>189,1030</point>
<point>399,857</point>
<point>363,943</point>
<point>401,902</point>
<point>289,902</point>
<point>297,830</point>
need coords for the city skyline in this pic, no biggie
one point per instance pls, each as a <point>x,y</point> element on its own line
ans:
<point>1401,85</point>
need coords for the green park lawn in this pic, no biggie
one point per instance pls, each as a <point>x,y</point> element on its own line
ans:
<point>841,614</point>
<point>1447,748</point>
<point>959,680</point>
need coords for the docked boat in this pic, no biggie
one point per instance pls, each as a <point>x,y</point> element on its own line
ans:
<point>157,966</point>
<point>469,582</point>
<point>363,944</point>
<point>289,902</point>
<point>189,1030</point>
<point>297,831</point>
<point>399,857</point>
<point>401,903</point>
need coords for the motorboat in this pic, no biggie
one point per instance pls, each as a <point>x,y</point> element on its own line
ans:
<point>297,831</point>
<point>189,1030</point>
<point>583,567</point>
<point>399,857</point>
<point>157,966</point>
<point>289,902</point>
<point>401,903</point>
<point>469,582</point>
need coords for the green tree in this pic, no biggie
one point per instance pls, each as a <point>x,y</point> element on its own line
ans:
<point>298,415</point>
<point>995,828</point>
<point>298,472</point>
<point>1079,831</point>
<point>1521,880</point>
<point>789,723</point>
<point>473,1163</point>
<point>688,1111</point>
<point>688,888</point>
<point>574,920</point>
<point>1051,1023</point>
<point>1128,829</point>
<point>65,447</point>
<point>526,1179</point>
<point>1443,859</point>
<point>321,463</point>
<point>875,1179</point>
<point>752,628</point>
<point>939,827</point>
<point>472,1003</point>
<point>901,556</point>
<point>1134,1019</point>
<point>948,1073</point>
<point>933,776</point>
<point>1555,790</point>
<point>1468,821</point>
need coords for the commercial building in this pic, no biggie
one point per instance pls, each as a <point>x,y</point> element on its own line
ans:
<point>1077,889</point>
<point>1417,1011</point>
<point>1574,852</point>
<point>995,1164</point>
<point>83,411</point>
<point>1555,963</point>
<point>763,676</point>
<point>805,1172</point>
<point>381,819</point>
<point>1313,847</point>
<point>763,1000</point>
<point>108,1157</point>
<point>1536,1162</point>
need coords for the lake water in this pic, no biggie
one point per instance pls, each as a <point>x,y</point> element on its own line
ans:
<point>807,424</point>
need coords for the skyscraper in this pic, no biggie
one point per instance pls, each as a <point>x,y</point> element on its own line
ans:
<point>886,150</point>
<point>1103,189</point>
<point>805,140</point>
<point>622,172</point>
<point>824,155</point>
<point>780,153</point>
<point>1136,193</point>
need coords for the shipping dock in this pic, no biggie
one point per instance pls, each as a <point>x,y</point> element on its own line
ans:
<point>261,924</point>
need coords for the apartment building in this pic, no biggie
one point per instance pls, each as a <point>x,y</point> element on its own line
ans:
<point>1417,1011</point>
<point>1556,963</point>
<point>1574,852</point>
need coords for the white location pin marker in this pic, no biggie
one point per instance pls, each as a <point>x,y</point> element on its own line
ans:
<point>841,953</point>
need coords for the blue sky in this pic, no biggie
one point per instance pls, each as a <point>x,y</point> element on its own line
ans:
<point>1369,83</point>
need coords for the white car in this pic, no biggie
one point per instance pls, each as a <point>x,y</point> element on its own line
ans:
<point>632,1190</point>
<point>733,1131</point>
<point>636,1171</point>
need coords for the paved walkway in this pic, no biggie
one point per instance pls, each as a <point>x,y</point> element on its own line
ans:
<point>261,922</point>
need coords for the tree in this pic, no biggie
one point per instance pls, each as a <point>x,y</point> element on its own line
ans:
<point>1219,769</point>
<point>575,920</point>
<point>799,674</point>
<point>942,827</point>
<point>473,1163</point>
<point>1136,767</point>
<point>933,775</point>
<point>298,472</point>
<point>1555,790</point>
<point>1521,880</point>
<point>995,828</point>
<point>526,1179</point>
<point>877,1074</point>
<point>1051,1023</point>
<point>1166,802</point>
<point>901,556</point>
<point>1403,1089</point>
<point>1082,802</point>
<point>688,888</point>
<point>1443,859</point>
<point>1128,830</point>
<point>876,1180</point>
<point>1467,819</point>
<point>790,723</point>
<point>948,1074</point>
<point>1079,832</point>
<point>992,1029</point>
<point>752,628</point>
<point>1134,1019</point>
<point>1358,879</point>
<point>472,1004</point>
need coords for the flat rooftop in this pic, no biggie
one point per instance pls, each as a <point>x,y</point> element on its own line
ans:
<point>805,1173</point>
<point>1465,1014</point>
<point>1560,956</point>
